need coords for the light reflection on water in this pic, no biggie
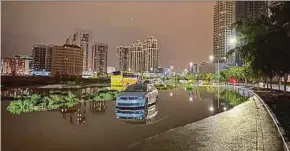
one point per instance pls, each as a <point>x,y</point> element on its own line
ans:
<point>76,115</point>
<point>95,121</point>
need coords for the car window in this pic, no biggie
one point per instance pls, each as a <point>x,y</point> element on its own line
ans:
<point>136,88</point>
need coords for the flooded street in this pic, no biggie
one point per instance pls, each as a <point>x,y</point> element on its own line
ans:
<point>93,125</point>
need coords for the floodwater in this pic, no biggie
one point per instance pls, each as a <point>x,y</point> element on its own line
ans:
<point>92,126</point>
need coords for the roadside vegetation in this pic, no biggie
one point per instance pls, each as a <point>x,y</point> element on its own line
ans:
<point>54,101</point>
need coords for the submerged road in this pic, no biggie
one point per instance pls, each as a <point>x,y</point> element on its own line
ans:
<point>53,131</point>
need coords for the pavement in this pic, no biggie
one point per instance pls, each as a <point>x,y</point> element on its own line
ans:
<point>245,127</point>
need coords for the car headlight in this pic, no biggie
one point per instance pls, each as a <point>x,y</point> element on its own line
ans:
<point>140,98</point>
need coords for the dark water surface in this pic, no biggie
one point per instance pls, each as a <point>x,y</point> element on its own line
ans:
<point>92,126</point>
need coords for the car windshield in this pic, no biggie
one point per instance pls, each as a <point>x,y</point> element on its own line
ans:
<point>136,88</point>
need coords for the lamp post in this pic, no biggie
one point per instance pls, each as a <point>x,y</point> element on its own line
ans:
<point>212,58</point>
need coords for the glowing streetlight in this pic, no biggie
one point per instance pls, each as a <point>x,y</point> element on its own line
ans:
<point>171,94</point>
<point>129,69</point>
<point>225,108</point>
<point>233,41</point>
<point>185,70</point>
<point>190,64</point>
<point>211,57</point>
<point>211,109</point>
<point>171,67</point>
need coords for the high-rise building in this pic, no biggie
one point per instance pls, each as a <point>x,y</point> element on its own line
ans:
<point>14,66</point>
<point>151,54</point>
<point>69,40</point>
<point>247,11</point>
<point>224,17</point>
<point>83,38</point>
<point>100,57</point>
<point>275,3</point>
<point>207,67</point>
<point>250,10</point>
<point>193,68</point>
<point>122,58</point>
<point>67,60</point>
<point>136,60</point>
<point>28,63</point>
<point>41,57</point>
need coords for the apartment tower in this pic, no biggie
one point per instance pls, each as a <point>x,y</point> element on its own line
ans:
<point>100,57</point>
<point>224,17</point>
<point>83,38</point>
<point>122,58</point>
<point>41,57</point>
<point>136,60</point>
<point>151,54</point>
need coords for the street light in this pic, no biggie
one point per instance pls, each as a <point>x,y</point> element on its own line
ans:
<point>211,109</point>
<point>171,67</point>
<point>233,41</point>
<point>212,58</point>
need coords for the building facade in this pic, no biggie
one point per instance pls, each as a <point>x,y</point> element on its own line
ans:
<point>14,66</point>
<point>110,69</point>
<point>69,40</point>
<point>67,60</point>
<point>247,11</point>
<point>250,10</point>
<point>224,17</point>
<point>122,58</point>
<point>83,38</point>
<point>207,67</point>
<point>100,57</point>
<point>136,60</point>
<point>193,69</point>
<point>41,57</point>
<point>151,54</point>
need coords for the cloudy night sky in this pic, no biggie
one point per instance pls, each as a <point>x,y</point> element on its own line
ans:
<point>183,29</point>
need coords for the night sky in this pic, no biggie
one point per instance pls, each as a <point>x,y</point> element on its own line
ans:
<point>183,29</point>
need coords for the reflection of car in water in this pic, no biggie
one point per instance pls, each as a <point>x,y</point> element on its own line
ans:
<point>136,102</point>
<point>149,119</point>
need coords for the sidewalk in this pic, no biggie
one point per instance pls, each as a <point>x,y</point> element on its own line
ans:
<point>245,127</point>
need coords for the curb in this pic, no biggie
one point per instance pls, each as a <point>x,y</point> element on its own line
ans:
<point>281,131</point>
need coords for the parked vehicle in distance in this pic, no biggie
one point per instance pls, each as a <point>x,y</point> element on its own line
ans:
<point>122,78</point>
<point>133,103</point>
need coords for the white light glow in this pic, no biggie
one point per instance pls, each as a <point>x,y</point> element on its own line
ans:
<point>211,109</point>
<point>225,108</point>
<point>211,57</point>
<point>233,41</point>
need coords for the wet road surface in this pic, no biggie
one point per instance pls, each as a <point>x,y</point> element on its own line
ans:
<point>245,127</point>
<point>99,129</point>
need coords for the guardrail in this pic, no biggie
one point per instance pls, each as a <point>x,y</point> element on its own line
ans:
<point>274,118</point>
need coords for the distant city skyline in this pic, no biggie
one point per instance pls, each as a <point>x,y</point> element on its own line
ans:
<point>183,29</point>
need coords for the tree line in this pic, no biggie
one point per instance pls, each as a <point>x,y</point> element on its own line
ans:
<point>264,45</point>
